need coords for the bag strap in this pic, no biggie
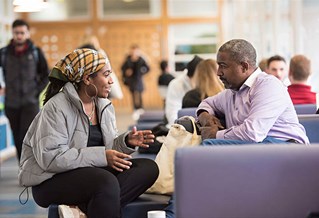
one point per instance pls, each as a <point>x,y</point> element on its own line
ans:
<point>192,119</point>
<point>194,124</point>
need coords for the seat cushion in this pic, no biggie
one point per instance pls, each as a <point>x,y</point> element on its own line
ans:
<point>135,209</point>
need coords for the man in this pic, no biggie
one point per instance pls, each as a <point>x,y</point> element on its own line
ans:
<point>26,75</point>
<point>256,107</point>
<point>177,89</point>
<point>299,72</point>
<point>276,65</point>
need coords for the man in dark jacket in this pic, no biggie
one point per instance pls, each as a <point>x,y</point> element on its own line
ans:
<point>26,75</point>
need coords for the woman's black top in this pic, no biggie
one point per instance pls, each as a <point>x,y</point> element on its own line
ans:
<point>95,136</point>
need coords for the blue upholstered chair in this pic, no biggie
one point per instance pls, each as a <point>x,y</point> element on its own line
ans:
<point>311,124</point>
<point>187,112</point>
<point>305,108</point>
<point>247,181</point>
<point>151,116</point>
<point>135,209</point>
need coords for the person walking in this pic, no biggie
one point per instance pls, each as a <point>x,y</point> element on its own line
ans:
<point>26,75</point>
<point>133,70</point>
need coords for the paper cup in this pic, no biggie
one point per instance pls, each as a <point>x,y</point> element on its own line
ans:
<point>156,214</point>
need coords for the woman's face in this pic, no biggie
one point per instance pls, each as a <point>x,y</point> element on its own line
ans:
<point>103,81</point>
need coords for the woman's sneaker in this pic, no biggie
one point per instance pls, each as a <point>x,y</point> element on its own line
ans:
<point>66,211</point>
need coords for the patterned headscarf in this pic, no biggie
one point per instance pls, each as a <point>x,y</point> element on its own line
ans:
<point>78,63</point>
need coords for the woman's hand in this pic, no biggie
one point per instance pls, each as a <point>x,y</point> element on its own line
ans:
<point>116,160</point>
<point>140,138</point>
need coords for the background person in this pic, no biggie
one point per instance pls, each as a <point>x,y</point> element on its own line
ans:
<point>299,72</point>
<point>177,89</point>
<point>207,84</point>
<point>164,79</point>
<point>276,65</point>
<point>26,75</point>
<point>72,153</point>
<point>133,70</point>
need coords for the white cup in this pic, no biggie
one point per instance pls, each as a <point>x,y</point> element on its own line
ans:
<point>156,214</point>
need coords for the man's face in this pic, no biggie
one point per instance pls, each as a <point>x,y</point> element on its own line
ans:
<point>230,72</point>
<point>20,34</point>
<point>278,69</point>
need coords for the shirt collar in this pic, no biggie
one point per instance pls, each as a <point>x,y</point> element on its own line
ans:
<point>251,79</point>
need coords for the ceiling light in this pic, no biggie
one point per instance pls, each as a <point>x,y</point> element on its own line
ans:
<point>29,5</point>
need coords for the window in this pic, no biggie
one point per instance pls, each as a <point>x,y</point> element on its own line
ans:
<point>63,10</point>
<point>6,19</point>
<point>186,40</point>
<point>192,8</point>
<point>130,8</point>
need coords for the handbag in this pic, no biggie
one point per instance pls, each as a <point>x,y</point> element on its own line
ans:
<point>177,137</point>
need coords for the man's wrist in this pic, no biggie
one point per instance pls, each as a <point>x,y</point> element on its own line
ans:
<point>201,111</point>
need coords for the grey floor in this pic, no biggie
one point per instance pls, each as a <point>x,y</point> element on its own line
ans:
<point>10,207</point>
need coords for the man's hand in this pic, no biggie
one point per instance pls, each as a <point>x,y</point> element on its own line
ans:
<point>116,160</point>
<point>129,72</point>
<point>208,132</point>
<point>207,120</point>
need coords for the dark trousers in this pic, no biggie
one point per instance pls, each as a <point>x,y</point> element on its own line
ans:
<point>137,99</point>
<point>99,192</point>
<point>20,120</point>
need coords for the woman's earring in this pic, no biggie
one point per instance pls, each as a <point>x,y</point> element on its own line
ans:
<point>86,92</point>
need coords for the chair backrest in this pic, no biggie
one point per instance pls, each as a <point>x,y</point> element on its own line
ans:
<point>311,124</point>
<point>305,108</point>
<point>151,116</point>
<point>187,112</point>
<point>247,181</point>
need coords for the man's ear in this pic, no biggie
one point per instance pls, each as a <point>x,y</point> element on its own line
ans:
<point>245,66</point>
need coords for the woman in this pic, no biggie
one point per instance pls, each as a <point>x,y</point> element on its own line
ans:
<point>207,84</point>
<point>72,153</point>
<point>133,69</point>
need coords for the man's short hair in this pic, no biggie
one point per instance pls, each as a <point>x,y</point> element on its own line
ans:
<point>20,22</point>
<point>163,65</point>
<point>191,66</point>
<point>240,50</point>
<point>300,67</point>
<point>275,58</point>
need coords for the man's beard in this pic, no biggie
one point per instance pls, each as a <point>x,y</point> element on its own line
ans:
<point>19,43</point>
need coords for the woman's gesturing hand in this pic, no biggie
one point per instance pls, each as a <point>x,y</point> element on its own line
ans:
<point>140,138</point>
<point>117,161</point>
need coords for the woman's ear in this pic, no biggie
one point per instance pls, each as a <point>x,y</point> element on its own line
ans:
<point>86,79</point>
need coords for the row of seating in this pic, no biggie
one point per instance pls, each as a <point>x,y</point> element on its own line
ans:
<point>247,181</point>
<point>146,202</point>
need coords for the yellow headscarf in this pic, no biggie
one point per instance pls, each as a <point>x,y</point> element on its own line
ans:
<point>78,63</point>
